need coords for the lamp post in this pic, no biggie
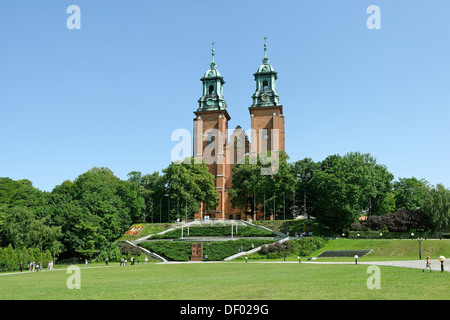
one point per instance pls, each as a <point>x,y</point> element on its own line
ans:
<point>420,248</point>
<point>442,259</point>
<point>299,260</point>
<point>356,259</point>
<point>160,206</point>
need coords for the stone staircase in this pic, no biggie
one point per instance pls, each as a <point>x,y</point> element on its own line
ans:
<point>278,235</point>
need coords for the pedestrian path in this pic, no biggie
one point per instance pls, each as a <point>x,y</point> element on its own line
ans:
<point>416,264</point>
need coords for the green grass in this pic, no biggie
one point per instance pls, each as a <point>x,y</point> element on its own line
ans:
<point>383,250</point>
<point>236,281</point>
<point>389,250</point>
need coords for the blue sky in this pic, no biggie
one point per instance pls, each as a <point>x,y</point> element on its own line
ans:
<point>112,93</point>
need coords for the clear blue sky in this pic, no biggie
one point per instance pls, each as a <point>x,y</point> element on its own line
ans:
<point>111,93</point>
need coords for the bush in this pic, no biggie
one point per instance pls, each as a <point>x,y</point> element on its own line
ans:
<point>216,251</point>
<point>306,246</point>
<point>215,231</point>
<point>389,235</point>
<point>401,221</point>
<point>10,258</point>
<point>277,250</point>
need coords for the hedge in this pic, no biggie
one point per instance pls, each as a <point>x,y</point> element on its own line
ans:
<point>389,235</point>
<point>11,258</point>
<point>216,251</point>
<point>216,231</point>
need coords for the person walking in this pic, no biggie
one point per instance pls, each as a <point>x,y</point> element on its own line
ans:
<point>428,264</point>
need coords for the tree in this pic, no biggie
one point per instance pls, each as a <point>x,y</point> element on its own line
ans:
<point>186,185</point>
<point>347,186</point>
<point>436,205</point>
<point>17,226</point>
<point>304,171</point>
<point>17,193</point>
<point>252,189</point>
<point>409,193</point>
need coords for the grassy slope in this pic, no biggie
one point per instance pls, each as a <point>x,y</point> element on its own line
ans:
<point>382,249</point>
<point>390,249</point>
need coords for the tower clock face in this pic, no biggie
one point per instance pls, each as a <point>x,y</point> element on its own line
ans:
<point>209,102</point>
<point>265,97</point>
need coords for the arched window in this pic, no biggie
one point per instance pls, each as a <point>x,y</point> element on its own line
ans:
<point>266,86</point>
<point>211,91</point>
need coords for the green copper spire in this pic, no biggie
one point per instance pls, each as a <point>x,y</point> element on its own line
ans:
<point>212,98</point>
<point>265,94</point>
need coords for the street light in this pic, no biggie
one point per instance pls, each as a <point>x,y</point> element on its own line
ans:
<point>356,259</point>
<point>442,259</point>
<point>299,261</point>
<point>420,248</point>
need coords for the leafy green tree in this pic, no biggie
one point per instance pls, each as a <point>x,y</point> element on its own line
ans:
<point>348,186</point>
<point>186,185</point>
<point>245,186</point>
<point>436,205</point>
<point>409,193</point>
<point>17,226</point>
<point>17,193</point>
<point>150,190</point>
<point>304,197</point>
<point>253,191</point>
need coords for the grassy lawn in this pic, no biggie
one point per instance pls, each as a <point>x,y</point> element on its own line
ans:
<point>235,281</point>
<point>383,250</point>
<point>389,250</point>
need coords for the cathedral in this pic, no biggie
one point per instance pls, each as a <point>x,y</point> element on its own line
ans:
<point>219,150</point>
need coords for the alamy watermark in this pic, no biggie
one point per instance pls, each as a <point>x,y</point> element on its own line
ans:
<point>74,20</point>
<point>374,280</point>
<point>74,281</point>
<point>229,147</point>
<point>374,20</point>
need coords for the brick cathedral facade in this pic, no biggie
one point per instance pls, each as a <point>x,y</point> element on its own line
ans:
<point>221,151</point>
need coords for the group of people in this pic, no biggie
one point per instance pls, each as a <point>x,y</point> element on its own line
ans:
<point>33,266</point>
<point>303,234</point>
<point>123,262</point>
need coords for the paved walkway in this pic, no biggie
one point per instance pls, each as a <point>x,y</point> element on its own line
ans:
<point>416,264</point>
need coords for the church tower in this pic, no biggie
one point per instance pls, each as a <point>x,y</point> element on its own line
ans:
<point>266,113</point>
<point>210,135</point>
<point>220,152</point>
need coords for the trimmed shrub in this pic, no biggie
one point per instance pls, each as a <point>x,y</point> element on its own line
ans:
<point>306,246</point>
<point>214,231</point>
<point>216,251</point>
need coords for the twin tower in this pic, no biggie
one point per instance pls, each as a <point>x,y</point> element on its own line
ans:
<point>220,151</point>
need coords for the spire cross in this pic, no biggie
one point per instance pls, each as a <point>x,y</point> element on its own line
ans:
<point>212,64</point>
<point>265,59</point>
